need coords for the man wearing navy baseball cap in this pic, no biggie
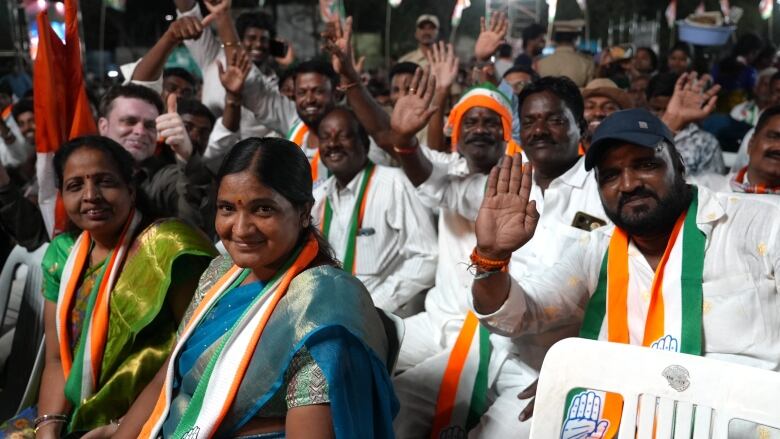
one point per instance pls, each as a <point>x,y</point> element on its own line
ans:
<point>683,269</point>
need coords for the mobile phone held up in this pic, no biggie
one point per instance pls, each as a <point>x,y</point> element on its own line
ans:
<point>278,48</point>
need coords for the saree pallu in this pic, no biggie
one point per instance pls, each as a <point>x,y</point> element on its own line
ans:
<point>163,258</point>
<point>328,315</point>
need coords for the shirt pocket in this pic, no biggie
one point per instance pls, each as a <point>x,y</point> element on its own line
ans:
<point>731,314</point>
<point>375,251</point>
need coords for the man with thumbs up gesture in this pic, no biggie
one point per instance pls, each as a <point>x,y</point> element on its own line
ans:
<point>171,129</point>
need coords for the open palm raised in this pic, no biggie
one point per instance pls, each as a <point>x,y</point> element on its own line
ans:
<point>507,218</point>
<point>413,109</point>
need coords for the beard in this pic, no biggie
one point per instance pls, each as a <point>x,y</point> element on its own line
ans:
<point>655,220</point>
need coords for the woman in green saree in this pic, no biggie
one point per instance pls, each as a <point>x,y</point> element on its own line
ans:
<point>278,341</point>
<point>117,284</point>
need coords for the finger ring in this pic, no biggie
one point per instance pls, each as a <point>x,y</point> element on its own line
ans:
<point>412,90</point>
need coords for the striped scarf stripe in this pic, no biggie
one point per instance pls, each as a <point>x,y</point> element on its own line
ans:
<point>86,359</point>
<point>219,385</point>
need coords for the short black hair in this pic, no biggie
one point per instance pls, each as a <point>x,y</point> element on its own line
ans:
<point>196,108</point>
<point>661,84</point>
<point>532,32</point>
<point>565,37</point>
<point>504,51</point>
<point>747,43</point>
<point>682,47</point>
<point>360,130</point>
<point>254,19</point>
<point>322,67</point>
<point>766,115</point>
<point>521,68</point>
<point>180,73</point>
<point>23,106</point>
<point>130,91</point>
<point>653,56</point>
<point>562,87</point>
<point>405,67</point>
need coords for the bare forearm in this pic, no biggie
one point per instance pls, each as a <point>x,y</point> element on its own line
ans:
<point>227,33</point>
<point>151,66</point>
<point>436,124</point>
<point>51,399</point>
<point>416,166</point>
<point>231,118</point>
<point>491,292</point>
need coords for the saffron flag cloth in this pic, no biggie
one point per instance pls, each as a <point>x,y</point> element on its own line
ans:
<point>62,111</point>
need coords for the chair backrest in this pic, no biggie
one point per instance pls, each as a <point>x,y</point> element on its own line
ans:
<point>28,329</point>
<point>395,330</point>
<point>678,395</point>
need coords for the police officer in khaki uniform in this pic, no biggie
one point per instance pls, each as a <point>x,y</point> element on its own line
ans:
<point>426,34</point>
<point>566,61</point>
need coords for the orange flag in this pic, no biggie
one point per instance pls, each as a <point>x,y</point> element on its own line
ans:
<point>62,110</point>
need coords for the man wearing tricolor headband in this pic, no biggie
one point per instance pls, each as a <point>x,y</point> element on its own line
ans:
<point>683,269</point>
<point>457,377</point>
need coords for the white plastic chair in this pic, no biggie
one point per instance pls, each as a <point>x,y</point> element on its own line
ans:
<point>684,396</point>
<point>20,371</point>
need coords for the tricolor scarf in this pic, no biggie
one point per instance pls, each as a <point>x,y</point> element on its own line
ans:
<point>738,184</point>
<point>82,366</point>
<point>488,96</point>
<point>462,398</point>
<point>674,317</point>
<point>356,219</point>
<point>224,373</point>
<point>298,135</point>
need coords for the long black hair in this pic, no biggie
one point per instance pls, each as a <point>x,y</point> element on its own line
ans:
<point>122,160</point>
<point>283,167</point>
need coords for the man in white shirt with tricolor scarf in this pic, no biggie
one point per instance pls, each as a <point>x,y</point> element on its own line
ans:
<point>488,379</point>
<point>685,269</point>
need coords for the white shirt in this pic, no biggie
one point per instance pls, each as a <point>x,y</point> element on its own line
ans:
<point>741,310</point>
<point>459,195</point>
<point>395,254</point>
<point>16,153</point>
<point>206,51</point>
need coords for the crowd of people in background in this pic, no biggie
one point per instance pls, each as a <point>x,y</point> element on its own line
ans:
<point>264,227</point>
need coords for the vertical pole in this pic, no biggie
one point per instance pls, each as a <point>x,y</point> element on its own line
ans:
<point>102,40</point>
<point>387,35</point>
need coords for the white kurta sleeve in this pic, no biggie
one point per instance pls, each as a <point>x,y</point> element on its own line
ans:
<point>418,253</point>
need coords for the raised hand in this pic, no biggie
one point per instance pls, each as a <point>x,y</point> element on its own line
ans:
<point>170,127</point>
<point>583,421</point>
<point>444,64</point>
<point>690,101</point>
<point>413,110</point>
<point>490,38</point>
<point>337,41</point>
<point>186,28</point>
<point>233,77</point>
<point>216,8</point>
<point>288,57</point>
<point>507,218</point>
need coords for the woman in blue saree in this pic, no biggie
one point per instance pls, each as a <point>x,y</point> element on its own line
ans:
<point>278,341</point>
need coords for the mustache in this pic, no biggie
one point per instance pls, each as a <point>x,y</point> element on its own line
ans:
<point>775,153</point>
<point>542,138</point>
<point>633,195</point>
<point>482,138</point>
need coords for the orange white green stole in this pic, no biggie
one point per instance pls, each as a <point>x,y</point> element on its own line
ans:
<point>356,219</point>
<point>224,373</point>
<point>298,134</point>
<point>462,398</point>
<point>81,366</point>
<point>674,317</point>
